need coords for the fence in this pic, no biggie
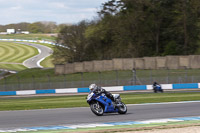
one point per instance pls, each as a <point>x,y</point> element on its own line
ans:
<point>108,78</point>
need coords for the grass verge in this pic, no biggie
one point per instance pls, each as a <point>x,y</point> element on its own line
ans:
<point>44,75</point>
<point>48,62</point>
<point>16,53</point>
<point>29,36</point>
<point>48,102</point>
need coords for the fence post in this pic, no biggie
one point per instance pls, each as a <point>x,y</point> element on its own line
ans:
<point>134,75</point>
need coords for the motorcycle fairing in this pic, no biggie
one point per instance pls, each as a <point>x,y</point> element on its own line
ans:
<point>109,108</point>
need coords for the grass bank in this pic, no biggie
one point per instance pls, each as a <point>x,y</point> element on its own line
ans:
<point>49,102</point>
<point>44,75</point>
<point>13,54</point>
<point>48,37</point>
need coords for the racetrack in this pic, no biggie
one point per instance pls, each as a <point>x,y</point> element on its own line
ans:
<point>12,55</point>
<point>44,52</point>
<point>72,116</point>
<point>19,55</point>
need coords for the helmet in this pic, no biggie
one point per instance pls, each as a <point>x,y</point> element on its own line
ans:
<point>93,87</point>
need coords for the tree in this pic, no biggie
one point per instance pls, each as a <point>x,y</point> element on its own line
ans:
<point>184,25</point>
<point>137,28</point>
<point>73,43</point>
<point>35,27</point>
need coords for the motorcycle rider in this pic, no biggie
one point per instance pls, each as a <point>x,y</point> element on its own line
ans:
<point>98,90</point>
<point>155,84</point>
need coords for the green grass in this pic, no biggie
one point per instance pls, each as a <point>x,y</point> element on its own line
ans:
<point>41,75</point>
<point>11,52</point>
<point>47,62</point>
<point>164,72</point>
<point>15,67</point>
<point>29,73</point>
<point>29,37</point>
<point>15,53</point>
<point>48,102</point>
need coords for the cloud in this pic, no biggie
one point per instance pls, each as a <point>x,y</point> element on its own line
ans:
<point>15,8</point>
<point>60,11</point>
<point>58,5</point>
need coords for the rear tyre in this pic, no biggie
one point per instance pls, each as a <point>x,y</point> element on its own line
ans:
<point>122,109</point>
<point>97,108</point>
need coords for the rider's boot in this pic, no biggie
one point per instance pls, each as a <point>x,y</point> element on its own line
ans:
<point>114,102</point>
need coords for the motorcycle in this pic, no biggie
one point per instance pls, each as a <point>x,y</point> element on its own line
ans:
<point>157,88</point>
<point>100,104</point>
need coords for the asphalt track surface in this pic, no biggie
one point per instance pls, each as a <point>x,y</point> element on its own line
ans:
<point>73,116</point>
<point>34,61</point>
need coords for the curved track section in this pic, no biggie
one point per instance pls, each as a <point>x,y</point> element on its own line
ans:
<point>34,62</point>
<point>12,55</point>
<point>72,116</point>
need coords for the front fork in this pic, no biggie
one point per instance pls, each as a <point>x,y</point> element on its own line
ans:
<point>97,105</point>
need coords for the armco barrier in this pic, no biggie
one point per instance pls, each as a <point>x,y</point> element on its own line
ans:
<point>136,87</point>
<point>22,40</point>
<point>189,86</point>
<point>112,88</point>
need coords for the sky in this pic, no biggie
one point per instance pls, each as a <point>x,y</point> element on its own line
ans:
<point>59,11</point>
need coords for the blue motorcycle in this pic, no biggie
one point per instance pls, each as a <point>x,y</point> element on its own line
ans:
<point>157,88</point>
<point>100,104</point>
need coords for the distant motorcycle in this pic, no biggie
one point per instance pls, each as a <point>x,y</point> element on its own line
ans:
<point>100,104</point>
<point>157,88</point>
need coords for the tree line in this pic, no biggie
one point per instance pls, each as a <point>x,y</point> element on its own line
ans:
<point>133,28</point>
<point>36,27</point>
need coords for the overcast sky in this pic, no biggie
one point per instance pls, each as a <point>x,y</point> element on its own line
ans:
<point>59,11</point>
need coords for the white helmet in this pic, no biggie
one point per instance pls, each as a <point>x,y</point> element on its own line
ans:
<point>93,87</point>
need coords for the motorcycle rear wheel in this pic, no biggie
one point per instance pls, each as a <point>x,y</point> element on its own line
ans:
<point>97,108</point>
<point>122,109</point>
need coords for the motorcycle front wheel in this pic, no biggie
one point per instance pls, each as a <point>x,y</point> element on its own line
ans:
<point>96,108</point>
<point>122,109</point>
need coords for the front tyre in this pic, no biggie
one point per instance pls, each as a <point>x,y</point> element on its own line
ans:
<point>96,108</point>
<point>122,109</point>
